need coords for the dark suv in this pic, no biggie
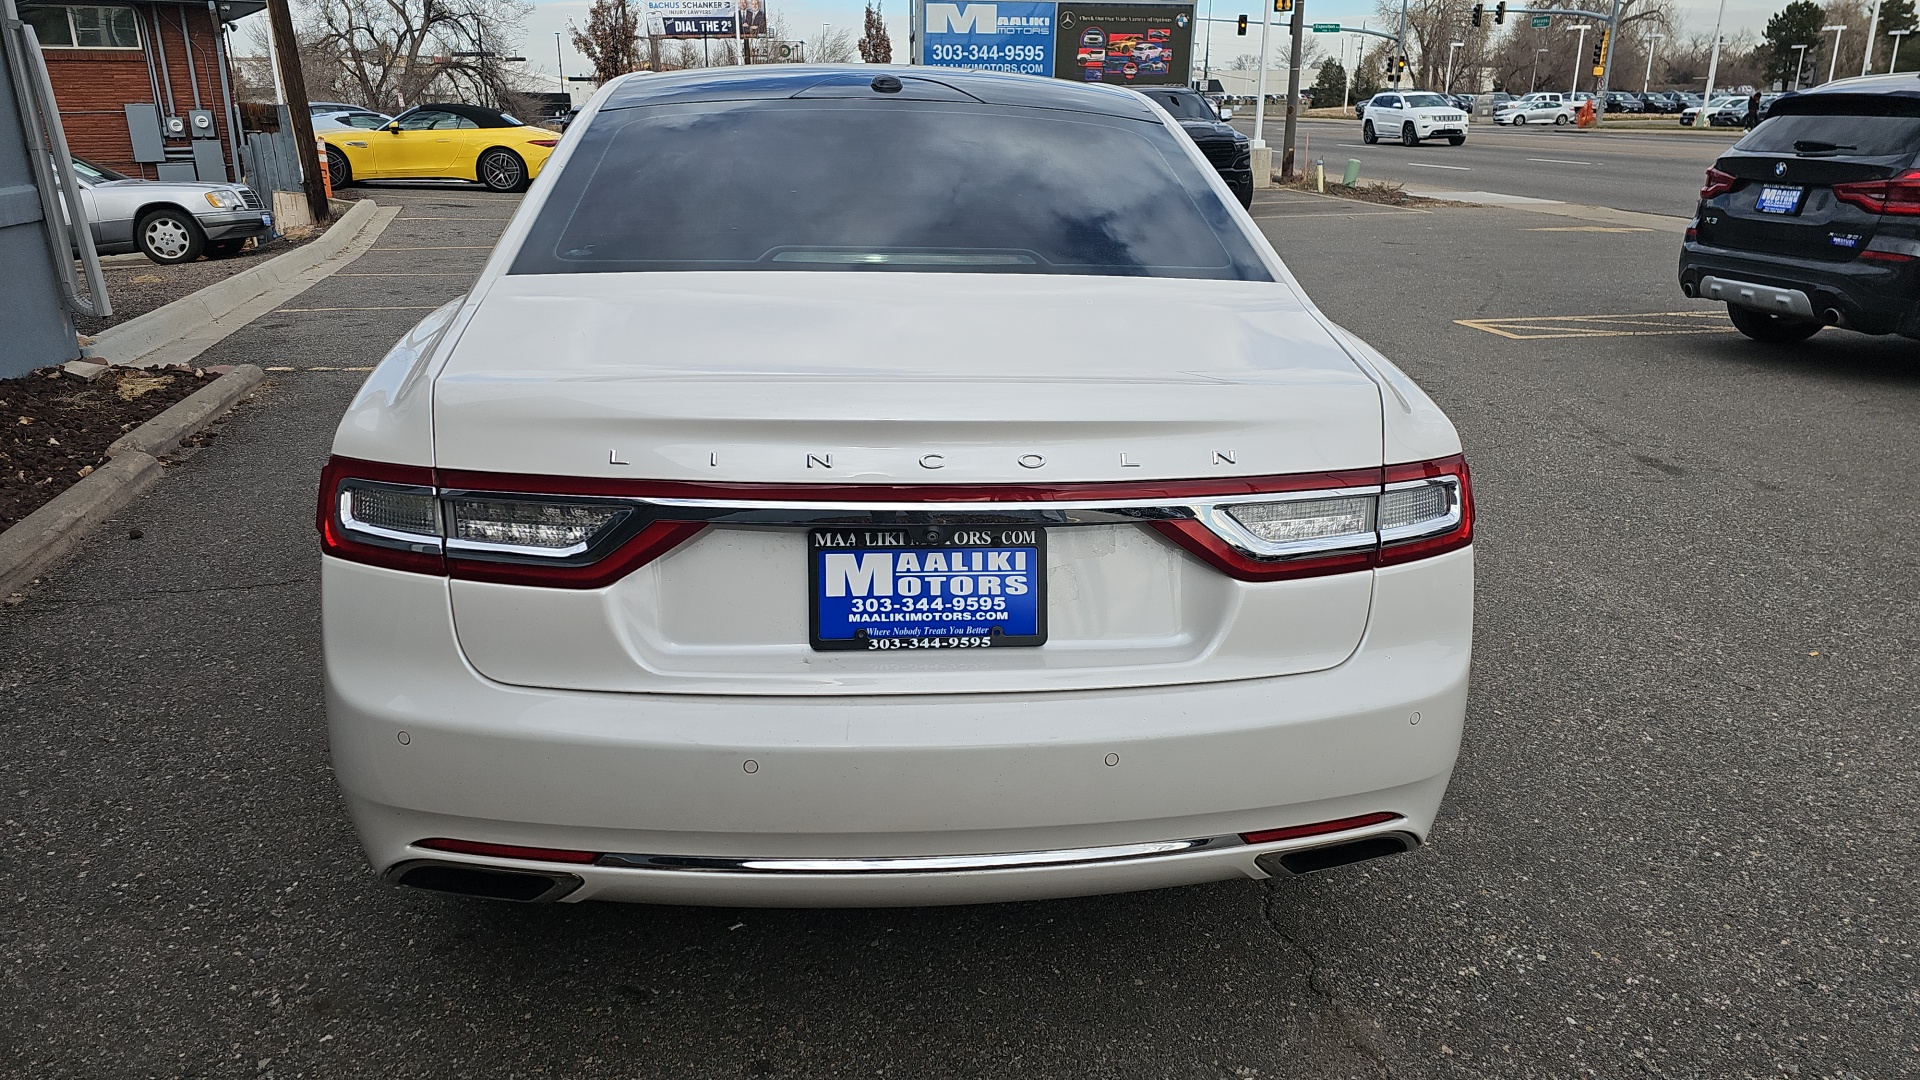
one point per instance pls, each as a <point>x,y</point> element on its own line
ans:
<point>1813,219</point>
<point>1226,149</point>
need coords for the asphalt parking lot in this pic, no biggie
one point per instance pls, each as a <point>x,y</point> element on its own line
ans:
<point>1676,844</point>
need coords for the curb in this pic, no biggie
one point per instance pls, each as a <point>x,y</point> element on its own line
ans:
<point>138,336</point>
<point>45,538</point>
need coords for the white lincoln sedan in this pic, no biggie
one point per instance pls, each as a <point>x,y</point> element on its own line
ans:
<point>793,515</point>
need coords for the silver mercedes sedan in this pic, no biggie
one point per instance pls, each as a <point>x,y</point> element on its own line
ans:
<point>168,221</point>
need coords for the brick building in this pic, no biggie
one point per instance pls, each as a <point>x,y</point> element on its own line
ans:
<point>145,86</point>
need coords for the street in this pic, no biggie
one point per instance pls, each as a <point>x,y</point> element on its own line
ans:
<point>1647,173</point>
<point>1675,844</point>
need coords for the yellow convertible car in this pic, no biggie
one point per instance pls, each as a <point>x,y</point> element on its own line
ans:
<point>442,142</point>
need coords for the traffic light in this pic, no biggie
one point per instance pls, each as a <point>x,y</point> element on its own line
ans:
<point>1283,6</point>
<point>1478,9</point>
<point>1401,64</point>
<point>1243,26</point>
<point>1600,49</point>
<point>1500,13</point>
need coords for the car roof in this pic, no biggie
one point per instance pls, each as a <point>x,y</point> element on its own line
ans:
<point>1904,84</point>
<point>775,81</point>
<point>484,117</point>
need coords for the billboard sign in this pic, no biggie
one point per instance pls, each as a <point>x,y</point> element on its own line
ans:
<point>705,18</point>
<point>997,36</point>
<point>1127,44</point>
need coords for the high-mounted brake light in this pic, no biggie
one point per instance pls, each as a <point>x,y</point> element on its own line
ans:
<point>1718,183</point>
<point>1899,195</point>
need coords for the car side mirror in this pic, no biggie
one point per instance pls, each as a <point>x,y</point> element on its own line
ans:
<point>393,127</point>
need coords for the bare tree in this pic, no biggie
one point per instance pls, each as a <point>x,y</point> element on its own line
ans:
<point>875,47</point>
<point>611,40</point>
<point>832,45</point>
<point>392,54</point>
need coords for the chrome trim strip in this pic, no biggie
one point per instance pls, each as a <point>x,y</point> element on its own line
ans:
<point>486,548</point>
<point>916,864</point>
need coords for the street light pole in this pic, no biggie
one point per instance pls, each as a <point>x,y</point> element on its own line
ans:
<point>560,64</point>
<point>1713,65</point>
<point>1653,44</point>
<point>1535,83</point>
<point>1577,49</point>
<point>1260,82</point>
<point>1798,63</point>
<point>1836,31</point>
<point>1453,48</point>
<point>1896,35</point>
<point>1873,27</point>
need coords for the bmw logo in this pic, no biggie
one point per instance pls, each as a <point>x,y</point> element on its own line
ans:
<point>1780,168</point>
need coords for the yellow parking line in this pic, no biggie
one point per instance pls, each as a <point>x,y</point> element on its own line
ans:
<point>461,247</point>
<point>1649,324</point>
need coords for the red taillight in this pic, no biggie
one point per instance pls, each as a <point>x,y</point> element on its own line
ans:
<point>544,142</point>
<point>358,545</point>
<point>1900,195</point>
<point>507,851</point>
<point>1318,828</point>
<point>1718,183</point>
<point>1886,256</point>
<point>1459,532</point>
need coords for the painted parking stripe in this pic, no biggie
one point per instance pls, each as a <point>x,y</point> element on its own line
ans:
<point>356,307</point>
<point>1646,324</point>
<point>1559,161</point>
<point>1424,165</point>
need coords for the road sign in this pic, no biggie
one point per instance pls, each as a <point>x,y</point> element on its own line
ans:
<point>1541,22</point>
<point>1326,28</point>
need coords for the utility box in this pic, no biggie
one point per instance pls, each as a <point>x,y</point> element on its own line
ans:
<point>209,161</point>
<point>143,129</point>
<point>200,123</point>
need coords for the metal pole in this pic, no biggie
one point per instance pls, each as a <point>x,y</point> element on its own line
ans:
<point>1260,83</point>
<point>1653,46</point>
<point>1453,50</point>
<point>1534,84</point>
<point>1606,66</point>
<point>1873,27</point>
<point>1713,65</point>
<point>1896,35</point>
<point>1206,59</point>
<point>1293,89</point>
<point>1800,61</point>
<point>560,65</point>
<point>226,88</point>
<point>1835,64</point>
<point>1577,50</point>
<point>1400,42</point>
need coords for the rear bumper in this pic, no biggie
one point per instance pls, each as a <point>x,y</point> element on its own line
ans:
<point>425,747</point>
<point>1873,298</point>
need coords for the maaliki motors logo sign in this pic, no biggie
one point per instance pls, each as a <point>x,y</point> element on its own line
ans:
<point>1001,36</point>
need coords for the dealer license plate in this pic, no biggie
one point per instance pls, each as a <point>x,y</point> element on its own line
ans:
<point>927,587</point>
<point>1781,198</point>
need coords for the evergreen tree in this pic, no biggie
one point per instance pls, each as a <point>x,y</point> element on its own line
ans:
<point>1330,86</point>
<point>1896,15</point>
<point>1798,23</point>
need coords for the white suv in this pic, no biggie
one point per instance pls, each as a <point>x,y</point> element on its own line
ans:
<point>1413,116</point>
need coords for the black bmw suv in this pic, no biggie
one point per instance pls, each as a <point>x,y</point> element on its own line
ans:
<point>1813,219</point>
<point>1226,149</point>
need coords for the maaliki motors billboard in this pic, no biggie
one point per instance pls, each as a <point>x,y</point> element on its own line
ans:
<point>1127,44</point>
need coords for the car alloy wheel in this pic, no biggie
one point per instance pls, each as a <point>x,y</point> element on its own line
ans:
<point>502,170</point>
<point>339,171</point>
<point>1407,137</point>
<point>169,236</point>
<point>1367,134</point>
<point>1560,120</point>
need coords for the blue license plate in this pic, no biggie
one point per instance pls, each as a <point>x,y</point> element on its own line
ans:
<point>1781,199</point>
<point>927,587</point>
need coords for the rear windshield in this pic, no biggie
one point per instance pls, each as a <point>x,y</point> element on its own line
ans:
<point>1183,106</point>
<point>1834,136</point>
<point>893,185</point>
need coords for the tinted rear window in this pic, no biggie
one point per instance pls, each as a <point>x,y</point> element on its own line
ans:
<point>1834,136</point>
<point>891,185</point>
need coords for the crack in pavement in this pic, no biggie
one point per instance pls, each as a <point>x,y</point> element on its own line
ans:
<point>23,606</point>
<point>1356,1037</point>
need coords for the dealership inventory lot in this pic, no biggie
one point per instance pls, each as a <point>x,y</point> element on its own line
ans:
<point>1674,843</point>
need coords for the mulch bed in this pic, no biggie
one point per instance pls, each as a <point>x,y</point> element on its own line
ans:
<point>54,428</point>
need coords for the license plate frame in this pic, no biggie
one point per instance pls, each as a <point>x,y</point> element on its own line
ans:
<point>1009,613</point>
<point>1782,199</point>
